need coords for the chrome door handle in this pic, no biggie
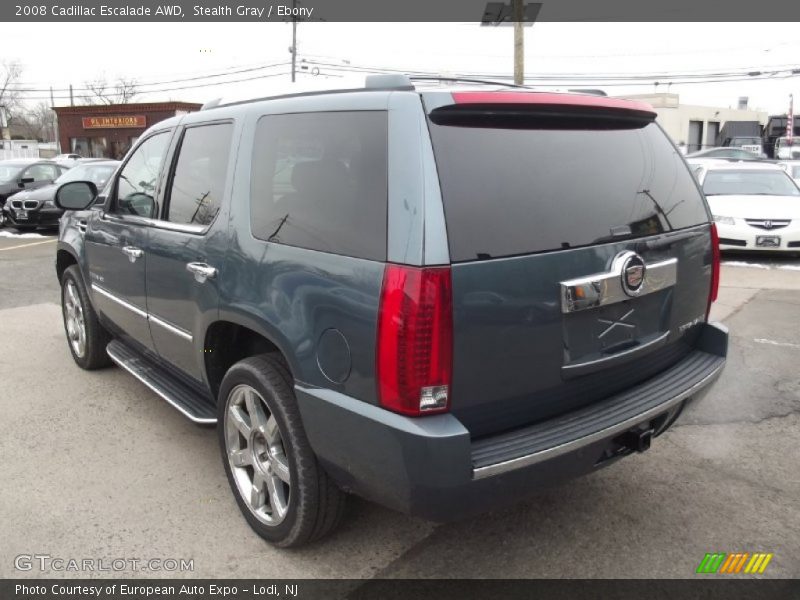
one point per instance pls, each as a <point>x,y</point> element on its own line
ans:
<point>201,271</point>
<point>133,252</point>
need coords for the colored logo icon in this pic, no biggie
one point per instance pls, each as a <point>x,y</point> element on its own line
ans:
<point>737,562</point>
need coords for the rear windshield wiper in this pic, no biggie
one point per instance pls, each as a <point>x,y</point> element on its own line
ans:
<point>667,240</point>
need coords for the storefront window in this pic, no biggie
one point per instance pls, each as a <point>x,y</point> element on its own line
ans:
<point>94,147</point>
<point>118,149</point>
<point>79,146</point>
<point>99,147</point>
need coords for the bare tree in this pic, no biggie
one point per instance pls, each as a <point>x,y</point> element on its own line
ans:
<point>37,123</point>
<point>100,91</point>
<point>10,73</point>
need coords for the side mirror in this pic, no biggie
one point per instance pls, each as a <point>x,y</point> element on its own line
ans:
<point>76,195</point>
<point>25,181</point>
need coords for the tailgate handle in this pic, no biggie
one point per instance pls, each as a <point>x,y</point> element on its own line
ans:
<point>612,360</point>
<point>614,285</point>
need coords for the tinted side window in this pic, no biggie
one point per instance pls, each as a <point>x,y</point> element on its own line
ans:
<point>137,181</point>
<point>510,191</point>
<point>41,173</point>
<point>320,182</point>
<point>198,183</point>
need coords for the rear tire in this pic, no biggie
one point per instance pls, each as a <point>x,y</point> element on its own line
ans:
<point>280,486</point>
<point>86,337</point>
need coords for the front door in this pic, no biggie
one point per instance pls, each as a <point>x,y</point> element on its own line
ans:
<point>181,279</point>
<point>116,240</point>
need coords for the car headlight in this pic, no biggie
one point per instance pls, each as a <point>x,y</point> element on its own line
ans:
<point>724,220</point>
<point>49,204</point>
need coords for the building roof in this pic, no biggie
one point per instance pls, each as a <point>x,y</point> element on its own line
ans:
<point>133,107</point>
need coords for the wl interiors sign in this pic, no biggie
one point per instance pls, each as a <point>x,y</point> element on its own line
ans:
<point>114,122</point>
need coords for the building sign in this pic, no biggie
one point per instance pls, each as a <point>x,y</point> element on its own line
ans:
<point>138,121</point>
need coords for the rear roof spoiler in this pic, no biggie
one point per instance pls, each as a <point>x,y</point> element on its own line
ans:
<point>554,100</point>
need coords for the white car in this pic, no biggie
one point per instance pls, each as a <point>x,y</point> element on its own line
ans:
<point>785,150</point>
<point>792,167</point>
<point>66,160</point>
<point>755,206</point>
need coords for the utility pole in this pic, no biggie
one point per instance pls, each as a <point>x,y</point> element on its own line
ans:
<point>4,131</point>
<point>294,39</point>
<point>520,14</point>
<point>519,42</point>
<point>71,100</point>
<point>55,118</point>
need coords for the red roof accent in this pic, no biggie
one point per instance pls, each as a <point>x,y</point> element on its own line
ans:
<point>552,99</point>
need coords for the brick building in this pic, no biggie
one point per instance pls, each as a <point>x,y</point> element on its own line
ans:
<point>109,130</point>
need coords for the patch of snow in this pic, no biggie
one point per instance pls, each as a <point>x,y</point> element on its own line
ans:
<point>9,234</point>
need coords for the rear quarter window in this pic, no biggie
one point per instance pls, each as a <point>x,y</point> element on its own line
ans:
<point>319,181</point>
<point>516,189</point>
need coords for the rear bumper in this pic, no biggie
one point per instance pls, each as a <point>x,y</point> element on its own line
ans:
<point>431,468</point>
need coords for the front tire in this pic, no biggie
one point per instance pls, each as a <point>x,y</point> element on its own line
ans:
<point>86,337</point>
<point>279,485</point>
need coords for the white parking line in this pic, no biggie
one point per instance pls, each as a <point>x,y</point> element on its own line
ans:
<point>27,245</point>
<point>738,263</point>
<point>774,343</point>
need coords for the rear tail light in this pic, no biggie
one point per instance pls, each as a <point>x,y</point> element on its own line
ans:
<point>415,340</point>
<point>715,266</point>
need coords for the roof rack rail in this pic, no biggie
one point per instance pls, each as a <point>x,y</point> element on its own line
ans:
<point>465,80</point>
<point>393,81</point>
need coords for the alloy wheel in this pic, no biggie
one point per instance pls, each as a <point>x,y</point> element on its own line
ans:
<point>73,314</point>
<point>257,455</point>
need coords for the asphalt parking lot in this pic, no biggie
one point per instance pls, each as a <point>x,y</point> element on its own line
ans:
<point>96,466</point>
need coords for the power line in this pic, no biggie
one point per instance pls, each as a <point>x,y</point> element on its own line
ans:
<point>187,87</point>
<point>750,72</point>
<point>603,79</point>
<point>165,82</point>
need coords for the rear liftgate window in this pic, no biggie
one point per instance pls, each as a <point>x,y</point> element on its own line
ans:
<point>519,180</point>
<point>320,182</point>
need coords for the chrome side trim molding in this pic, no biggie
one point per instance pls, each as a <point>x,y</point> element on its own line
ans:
<point>170,327</point>
<point>145,315</point>
<point>105,293</point>
<point>600,289</point>
<point>161,393</point>
<point>537,457</point>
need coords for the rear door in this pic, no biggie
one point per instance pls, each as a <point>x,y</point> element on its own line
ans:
<point>580,253</point>
<point>182,266</point>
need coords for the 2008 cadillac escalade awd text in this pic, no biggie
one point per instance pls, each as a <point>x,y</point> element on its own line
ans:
<point>437,299</point>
